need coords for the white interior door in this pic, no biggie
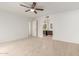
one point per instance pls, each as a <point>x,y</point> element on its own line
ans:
<point>34,28</point>
<point>29,29</point>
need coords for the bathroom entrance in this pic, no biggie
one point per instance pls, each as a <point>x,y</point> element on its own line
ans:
<point>47,27</point>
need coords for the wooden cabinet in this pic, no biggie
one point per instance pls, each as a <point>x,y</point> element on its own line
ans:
<point>46,33</point>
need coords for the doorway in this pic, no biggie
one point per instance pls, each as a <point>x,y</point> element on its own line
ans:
<point>47,27</point>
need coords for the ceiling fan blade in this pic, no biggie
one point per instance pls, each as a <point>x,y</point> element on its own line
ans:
<point>35,12</point>
<point>34,4</point>
<point>39,9</point>
<point>24,6</point>
<point>27,10</point>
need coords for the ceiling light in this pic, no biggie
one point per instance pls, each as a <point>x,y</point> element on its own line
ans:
<point>32,10</point>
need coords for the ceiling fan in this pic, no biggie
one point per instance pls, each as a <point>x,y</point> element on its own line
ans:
<point>32,8</point>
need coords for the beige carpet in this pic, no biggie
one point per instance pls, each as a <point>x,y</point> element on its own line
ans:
<point>38,46</point>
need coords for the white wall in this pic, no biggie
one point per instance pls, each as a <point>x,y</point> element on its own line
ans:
<point>12,26</point>
<point>66,26</point>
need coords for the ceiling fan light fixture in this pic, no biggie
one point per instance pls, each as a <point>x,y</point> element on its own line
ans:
<point>32,10</point>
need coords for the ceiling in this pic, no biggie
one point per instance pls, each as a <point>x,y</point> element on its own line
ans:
<point>50,7</point>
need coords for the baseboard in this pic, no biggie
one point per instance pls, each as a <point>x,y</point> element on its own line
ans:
<point>13,40</point>
<point>67,41</point>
